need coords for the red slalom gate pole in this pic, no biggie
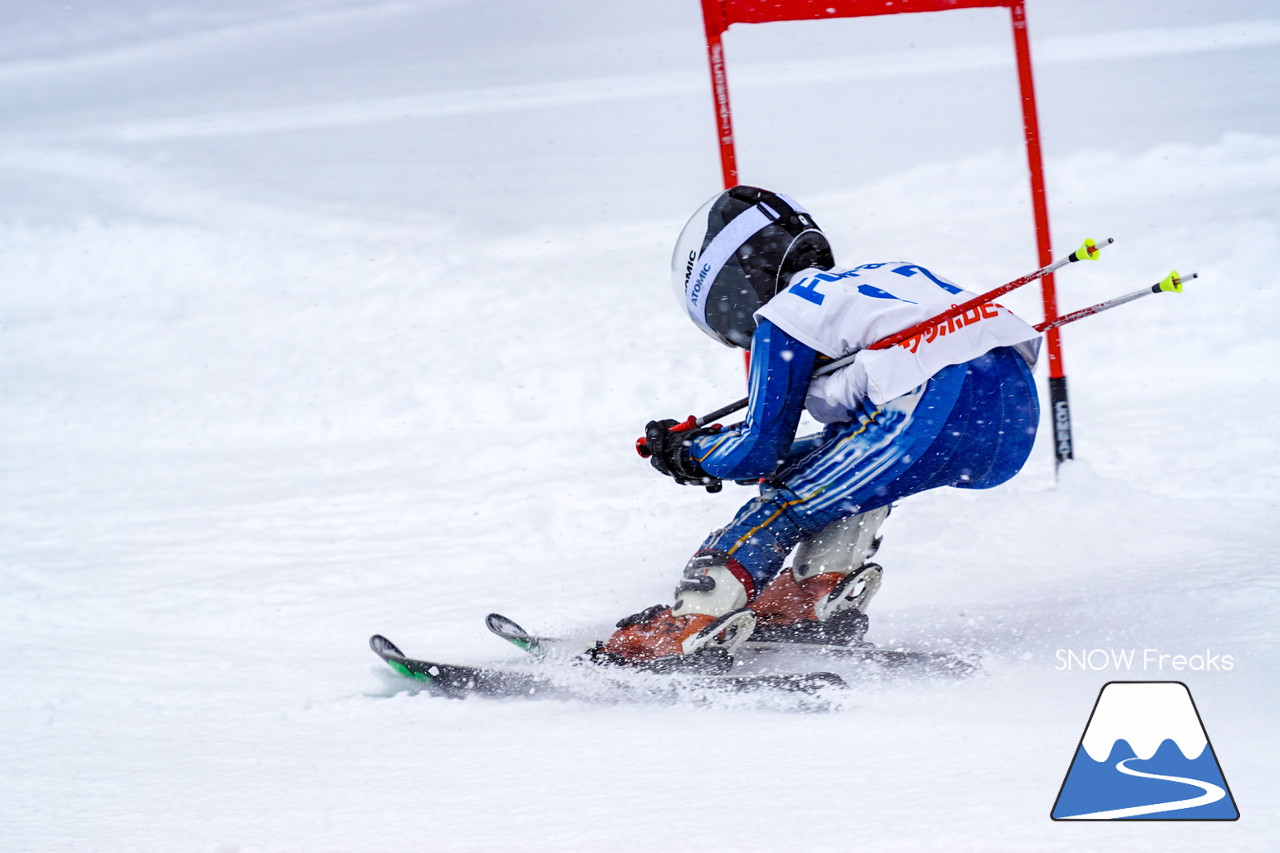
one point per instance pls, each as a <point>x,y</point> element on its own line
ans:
<point>715,24</point>
<point>1064,447</point>
<point>719,15</point>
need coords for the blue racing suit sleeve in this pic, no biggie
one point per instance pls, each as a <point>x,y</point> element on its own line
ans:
<point>781,368</point>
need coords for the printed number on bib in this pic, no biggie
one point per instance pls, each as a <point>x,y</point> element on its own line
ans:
<point>808,287</point>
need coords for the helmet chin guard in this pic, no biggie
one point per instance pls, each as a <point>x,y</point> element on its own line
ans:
<point>736,252</point>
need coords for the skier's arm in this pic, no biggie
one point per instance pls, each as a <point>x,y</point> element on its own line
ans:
<point>781,368</point>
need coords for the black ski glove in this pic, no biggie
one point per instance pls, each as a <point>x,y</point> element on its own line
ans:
<point>666,445</point>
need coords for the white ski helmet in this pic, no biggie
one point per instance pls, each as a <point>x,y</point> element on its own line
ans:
<point>735,254</point>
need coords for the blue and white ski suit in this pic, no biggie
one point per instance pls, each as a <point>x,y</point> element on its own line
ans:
<point>969,424</point>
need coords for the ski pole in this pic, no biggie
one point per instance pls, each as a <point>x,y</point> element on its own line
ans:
<point>1172,283</point>
<point>1088,251</point>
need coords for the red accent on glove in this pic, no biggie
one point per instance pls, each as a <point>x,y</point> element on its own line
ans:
<point>685,426</point>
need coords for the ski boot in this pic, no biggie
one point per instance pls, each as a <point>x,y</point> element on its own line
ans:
<point>700,632</point>
<point>822,598</point>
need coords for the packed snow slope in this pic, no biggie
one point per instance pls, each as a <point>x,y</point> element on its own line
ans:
<point>321,319</point>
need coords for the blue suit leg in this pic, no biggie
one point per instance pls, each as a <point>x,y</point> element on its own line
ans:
<point>848,470</point>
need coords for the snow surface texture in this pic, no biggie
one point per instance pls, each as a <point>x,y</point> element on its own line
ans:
<point>323,319</point>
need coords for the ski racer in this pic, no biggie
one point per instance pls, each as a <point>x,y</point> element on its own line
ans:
<point>953,406</point>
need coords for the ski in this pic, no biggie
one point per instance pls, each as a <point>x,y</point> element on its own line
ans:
<point>592,682</point>
<point>923,662</point>
<point>537,647</point>
<point>901,660</point>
